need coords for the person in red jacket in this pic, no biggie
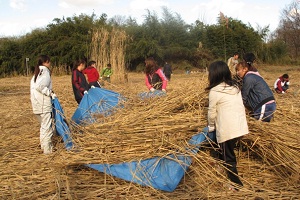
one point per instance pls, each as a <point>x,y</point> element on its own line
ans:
<point>79,83</point>
<point>92,74</point>
<point>155,78</point>
<point>282,84</point>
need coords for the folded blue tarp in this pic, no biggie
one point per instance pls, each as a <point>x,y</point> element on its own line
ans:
<point>161,173</point>
<point>97,101</point>
<point>61,124</point>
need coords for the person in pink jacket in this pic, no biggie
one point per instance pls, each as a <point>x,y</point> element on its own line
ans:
<point>154,76</point>
<point>226,116</point>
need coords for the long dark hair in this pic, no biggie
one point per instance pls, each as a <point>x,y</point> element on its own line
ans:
<point>41,59</point>
<point>151,66</point>
<point>219,72</point>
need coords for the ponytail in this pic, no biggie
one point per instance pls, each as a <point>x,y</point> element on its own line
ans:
<point>42,59</point>
<point>249,59</point>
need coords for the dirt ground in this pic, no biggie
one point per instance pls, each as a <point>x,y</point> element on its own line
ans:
<point>25,173</point>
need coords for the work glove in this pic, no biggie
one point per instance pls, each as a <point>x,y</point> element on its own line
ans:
<point>164,90</point>
<point>53,95</point>
<point>208,129</point>
<point>152,90</point>
<point>85,92</point>
<point>92,86</point>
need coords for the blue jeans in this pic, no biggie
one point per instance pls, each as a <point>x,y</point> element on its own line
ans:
<point>265,113</point>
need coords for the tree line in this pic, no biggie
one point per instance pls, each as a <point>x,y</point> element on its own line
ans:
<point>166,38</point>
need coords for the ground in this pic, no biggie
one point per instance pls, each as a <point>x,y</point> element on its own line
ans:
<point>28,174</point>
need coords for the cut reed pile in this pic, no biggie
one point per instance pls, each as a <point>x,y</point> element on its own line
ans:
<point>268,158</point>
<point>277,143</point>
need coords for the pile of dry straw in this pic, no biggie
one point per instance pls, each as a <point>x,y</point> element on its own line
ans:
<point>268,158</point>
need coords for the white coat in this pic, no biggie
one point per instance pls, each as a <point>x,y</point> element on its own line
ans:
<point>40,92</point>
<point>226,112</point>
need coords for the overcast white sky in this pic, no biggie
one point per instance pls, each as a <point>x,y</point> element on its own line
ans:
<point>18,17</point>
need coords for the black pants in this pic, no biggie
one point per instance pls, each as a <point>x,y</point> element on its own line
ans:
<point>96,84</point>
<point>227,154</point>
<point>168,76</point>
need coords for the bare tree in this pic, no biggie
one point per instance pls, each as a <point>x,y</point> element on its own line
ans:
<point>289,28</point>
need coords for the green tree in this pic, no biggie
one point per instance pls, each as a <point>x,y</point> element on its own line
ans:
<point>10,57</point>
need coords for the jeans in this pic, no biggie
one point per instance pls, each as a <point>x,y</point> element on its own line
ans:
<point>265,113</point>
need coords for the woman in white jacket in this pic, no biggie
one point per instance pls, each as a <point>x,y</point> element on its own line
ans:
<point>40,95</point>
<point>226,115</point>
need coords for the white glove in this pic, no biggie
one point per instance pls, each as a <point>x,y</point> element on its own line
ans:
<point>287,83</point>
<point>85,92</point>
<point>211,128</point>
<point>92,86</point>
<point>152,90</point>
<point>108,76</point>
<point>101,77</point>
<point>164,90</point>
<point>46,91</point>
<point>282,92</point>
<point>53,95</point>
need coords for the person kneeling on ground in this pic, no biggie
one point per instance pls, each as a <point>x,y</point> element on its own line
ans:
<point>282,84</point>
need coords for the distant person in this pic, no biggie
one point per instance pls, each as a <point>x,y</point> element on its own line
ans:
<point>92,74</point>
<point>257,95</point>
<point>168,71</point>
<point>281,85</point>
<point>79,83</point>
<point>106,73</point>
<point>226,115</point>
<point>187,70</point>
<point>232,61</point>
<point>154,76</point>
<point>40,96</point>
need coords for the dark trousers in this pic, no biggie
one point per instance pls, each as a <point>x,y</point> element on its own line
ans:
<point>96,84</point>
<point>227,154</point>
<point>168,76</point>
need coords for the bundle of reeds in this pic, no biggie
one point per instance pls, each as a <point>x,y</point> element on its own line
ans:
<point>99,47</point>
<point>109,47</point>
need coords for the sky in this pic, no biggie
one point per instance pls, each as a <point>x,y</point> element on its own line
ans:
<point>18,17</point>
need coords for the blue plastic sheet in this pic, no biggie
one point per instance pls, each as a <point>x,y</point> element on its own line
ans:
<point>61,125</point>
<point>161,173</point>
<point>98,101</point>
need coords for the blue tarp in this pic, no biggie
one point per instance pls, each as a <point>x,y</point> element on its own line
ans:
<point>61,124</point>
<point>156,93</point>
<point>161,173</point>
<point>97,101</point>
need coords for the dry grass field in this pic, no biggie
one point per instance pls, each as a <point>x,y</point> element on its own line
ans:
<point>268,158</point>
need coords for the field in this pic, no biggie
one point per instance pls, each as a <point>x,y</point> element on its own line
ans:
<point>268,158</point>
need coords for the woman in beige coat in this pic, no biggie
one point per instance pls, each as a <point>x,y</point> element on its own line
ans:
<point>226,115</point>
